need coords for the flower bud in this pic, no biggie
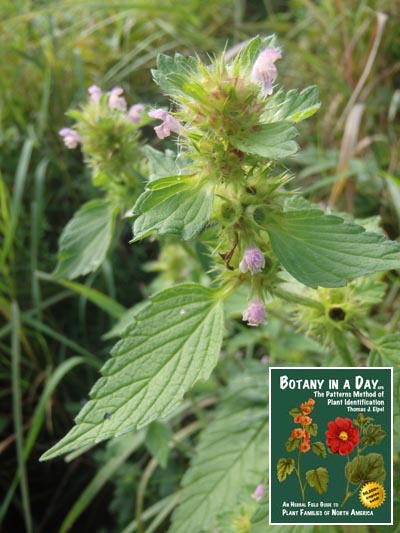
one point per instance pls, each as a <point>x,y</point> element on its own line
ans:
<point>169,124</point>
<point>95,93</point>
<point>135,113</point>
<point>255,313</point>
<point>116,100</point>
<point>259,492</point>
<point>70,137</point>
<point>264,69</point>
<point>253,260</point>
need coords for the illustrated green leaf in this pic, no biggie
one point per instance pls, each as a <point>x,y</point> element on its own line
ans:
<point>318,479</point>
<point>295,412</point>
<point>319,449</point>
<point>365,468</point>
<point>177,209</point>
<point>292,444</point>
<point>294,105</point>
<point>174,342</point>
<point>86,239</point>
<point>372,434</point>
<point>273,141</point>
<point>322,250</point>
<point>157,441</point>
<point>313,429</point>
<point>284,468</point>
<point>233,452</point>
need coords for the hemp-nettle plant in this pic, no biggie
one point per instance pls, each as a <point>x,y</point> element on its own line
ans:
<point>223,202</point>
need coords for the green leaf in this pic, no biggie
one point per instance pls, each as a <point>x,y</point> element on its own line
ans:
<point>386,351</point>
<point>162,164</point>
<point>319,449</point>
<point>318,479</point>
<point>313,429</point>
<point>322,250</point>
<point>272,141</point>
<point>365,468</point>
<point>295,412</point>
<point>284,468</point>
<point>173,73</point>
<point>294,106</point>
<point>86,239</point>
<point>232,453</point>
<point>157,441</point>
<point>292,444</point>
<point>174,342</point>
<point>177,209</point>
<point>372,434</point>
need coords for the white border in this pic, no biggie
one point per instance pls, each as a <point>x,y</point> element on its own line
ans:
<point>269,444</point>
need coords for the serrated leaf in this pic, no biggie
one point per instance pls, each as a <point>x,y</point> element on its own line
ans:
<point>294,106</point>
<point>318,479</point>
<point>322,250</point>
<point>319,449</point>
<point>372,434</point>
<point>284,468</point>
<point>173,73</point>
<point>174,342</point>
<point>232,452</point>
<point>86,238</point>
<point>273,141</point>
<point>365,468</point>
<point>157,441</point>
<point>386,351</point>
<point>162,164</point>
<point>177,210</point>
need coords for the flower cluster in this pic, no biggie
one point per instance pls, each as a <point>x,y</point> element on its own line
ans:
<point>115,102</point>
<point>342,436</point>
<point>303,434</point>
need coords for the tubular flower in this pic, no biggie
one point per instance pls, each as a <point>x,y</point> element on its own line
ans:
<point>70,137</point>
<point>95,93</point>
<point>253,260</point>
<point>258,493</point>
<point>255,313</point>
<point>342,436</point>
<point>135,113</point>
<point>116,100</point>
<point>169,124</point>
<point>264,69</point>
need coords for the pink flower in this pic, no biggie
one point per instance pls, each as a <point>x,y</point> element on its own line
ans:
<point>253,260</point>
<point>255,313</point>
<point>169,124</point>
<point>135,113</point>
<point>70,137</point>
<point>264,69</point>
<point>259,492</point>
<point>116,100</point>
<point>95,93</point>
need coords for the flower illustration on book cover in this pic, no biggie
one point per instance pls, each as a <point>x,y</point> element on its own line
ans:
<point>345,437</point>
<point>302,441</point>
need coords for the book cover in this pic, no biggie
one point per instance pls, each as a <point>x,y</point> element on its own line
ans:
<point>330,446</point>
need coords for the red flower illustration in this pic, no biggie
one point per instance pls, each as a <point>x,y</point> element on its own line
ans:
<point>342,436</point>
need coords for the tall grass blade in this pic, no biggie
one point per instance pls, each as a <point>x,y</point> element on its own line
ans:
<point>17,415</point>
